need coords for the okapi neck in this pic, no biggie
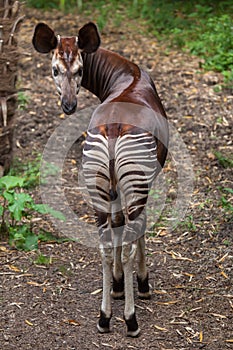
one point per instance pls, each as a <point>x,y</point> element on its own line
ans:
<point>107,74</point>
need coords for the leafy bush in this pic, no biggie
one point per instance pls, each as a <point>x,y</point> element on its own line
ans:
<point>215,43</point>
<point>30,170</point>
<point>17,208</point>
<point>202,27</point>
<point>56,4</point>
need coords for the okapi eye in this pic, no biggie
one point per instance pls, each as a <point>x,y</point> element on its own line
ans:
<point>55,72</point>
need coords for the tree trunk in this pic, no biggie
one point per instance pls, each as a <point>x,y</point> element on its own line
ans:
<point>9,25</point>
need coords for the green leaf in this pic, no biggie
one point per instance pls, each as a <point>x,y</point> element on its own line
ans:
<point>228,189</point>
<point>18,239</point>
<point>19,205</point>
<point>16,211</point>
<point>49,237</point>
<point>56,214</point>
<point>1,210</point>
<point>45,209</point>
<point>40,208</point>
<point>22,238</point>
<point>31,242</point>
<point>9,196</point>
<point>10,182</point>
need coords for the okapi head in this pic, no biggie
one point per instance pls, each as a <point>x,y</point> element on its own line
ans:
<point>67,63</point>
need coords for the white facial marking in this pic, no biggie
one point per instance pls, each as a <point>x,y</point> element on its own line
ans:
<point>63,67</point>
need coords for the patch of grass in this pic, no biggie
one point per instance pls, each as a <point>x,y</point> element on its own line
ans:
<point>65,271</point>
<point>189,224</point>
<point>226,201</point>
<point>223,160</point>
<point>43,260</point>
<point>23,100</point>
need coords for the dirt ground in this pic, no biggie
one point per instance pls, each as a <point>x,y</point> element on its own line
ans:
<point>56,306</point>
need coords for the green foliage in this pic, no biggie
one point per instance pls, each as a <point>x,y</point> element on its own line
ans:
<point>54,4</point>
<point>214,43</point>
<point>49,237</point>
<point>21,237</point>
<point>189,223</point>
<point>17,208</point>
<point>30,171</point>
<point>226,200</point>
<point>224,161</point>
<point>23,100</point>
<point>202,27</point>
<point>43,260</point>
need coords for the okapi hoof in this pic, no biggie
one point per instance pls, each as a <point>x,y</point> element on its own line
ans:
<point>133,330</point>
<point>144,288</point>
<point>103,325</point>
<point>118,288</point>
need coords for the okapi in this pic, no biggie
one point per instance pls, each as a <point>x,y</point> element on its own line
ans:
<point>123,153</point>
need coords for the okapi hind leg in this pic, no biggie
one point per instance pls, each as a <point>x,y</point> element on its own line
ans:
<point>128,255</point>
<point>118,275</point>
<point>106,252</point>
<point>118,221</point>
<point>142,275</point>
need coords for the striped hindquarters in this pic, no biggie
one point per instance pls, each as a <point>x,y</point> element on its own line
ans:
<point>135,167</point>
<point>127,164</point>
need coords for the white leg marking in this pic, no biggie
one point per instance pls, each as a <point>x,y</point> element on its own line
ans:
<point>107,262</point>
<point>128,254</point>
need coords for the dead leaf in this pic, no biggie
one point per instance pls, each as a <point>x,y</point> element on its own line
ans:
<point>167,302</point>
<point>218,315</point>
<point>201,337</point>
<point>72,322</point>
<point>223,258</point>
<point>97,291</point>
<point>14,268</point>
<point>224,274</point>
<point>28,323</point>
<point>106,344</point>
<point>3,249</point>
<point>162,329</point>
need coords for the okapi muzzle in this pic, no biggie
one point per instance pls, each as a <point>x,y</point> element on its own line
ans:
<point>67,63</point>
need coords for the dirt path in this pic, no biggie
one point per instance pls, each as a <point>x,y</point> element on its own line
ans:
<point>55,306</point>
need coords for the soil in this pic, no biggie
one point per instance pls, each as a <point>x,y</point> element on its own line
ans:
<point>56,305</point>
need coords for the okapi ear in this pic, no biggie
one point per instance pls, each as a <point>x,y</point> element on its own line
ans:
<point>44,40</point>
<point>88,38</point>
